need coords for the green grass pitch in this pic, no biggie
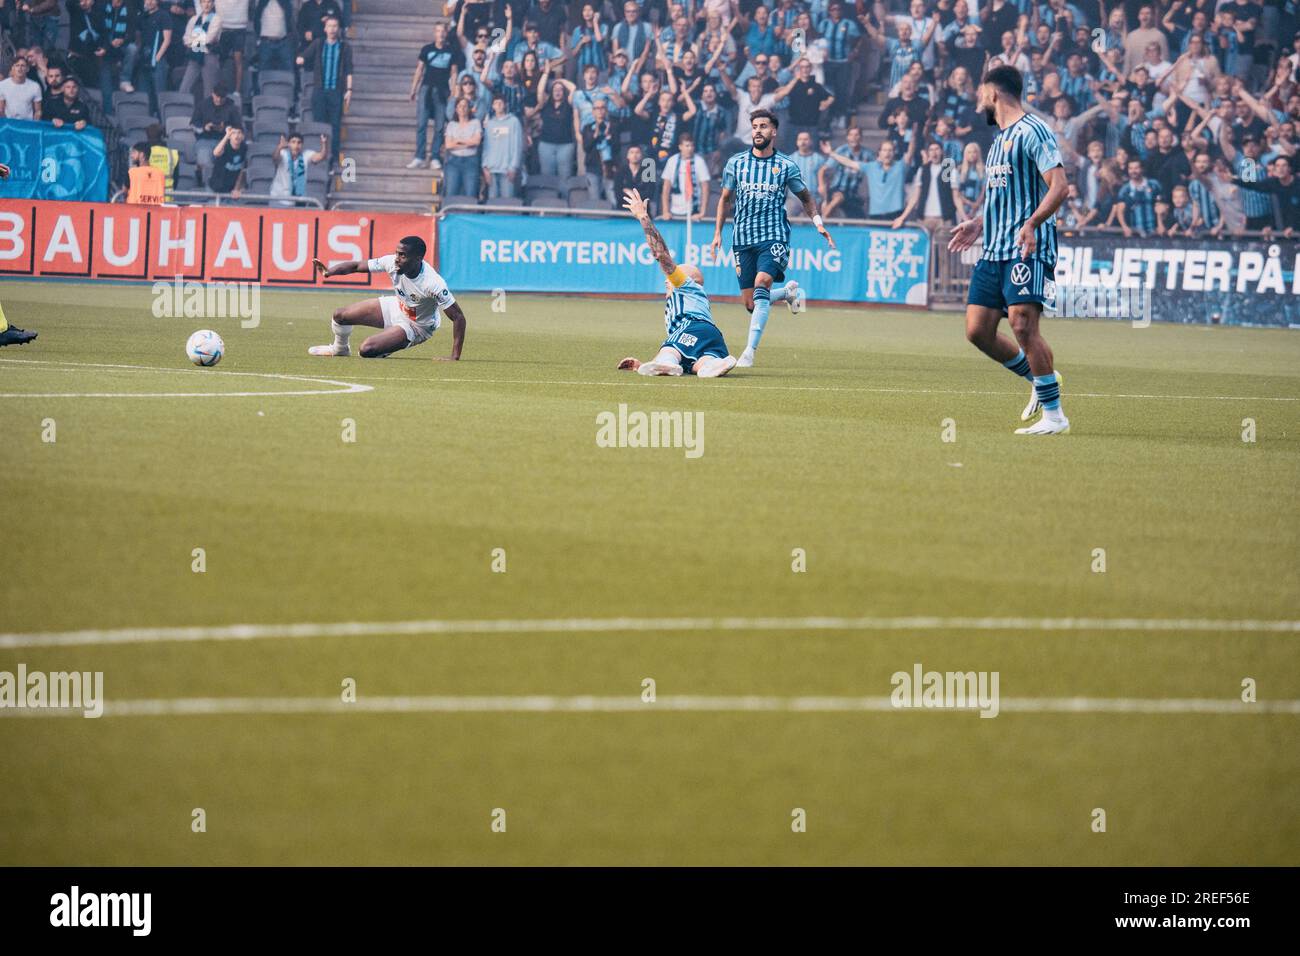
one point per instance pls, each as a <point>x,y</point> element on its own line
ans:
<point>833,445</point>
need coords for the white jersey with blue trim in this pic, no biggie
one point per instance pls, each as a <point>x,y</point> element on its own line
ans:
<point>421,297</point>
<point>687,302</point>
<point>759,184</point>
<point>1017,160</point>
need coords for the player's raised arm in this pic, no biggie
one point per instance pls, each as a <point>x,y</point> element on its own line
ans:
<point>341,269</point>
<point>634,204</point>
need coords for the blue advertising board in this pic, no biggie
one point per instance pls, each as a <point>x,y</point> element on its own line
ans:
<point>53,163</point>
<point>581,254</point>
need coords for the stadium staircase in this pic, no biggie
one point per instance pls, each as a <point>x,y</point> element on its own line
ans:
<point>379,131</point>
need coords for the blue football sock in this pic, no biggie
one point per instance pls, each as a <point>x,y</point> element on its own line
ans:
<point>757,321</point>
<point>1020,365</point>
<point>1048,391</point>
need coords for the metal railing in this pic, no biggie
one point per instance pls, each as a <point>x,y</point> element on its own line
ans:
<point>202,197</point>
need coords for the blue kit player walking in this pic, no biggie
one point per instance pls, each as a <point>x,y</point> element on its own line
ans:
<point>1016,274</point>
<point>757,180</point>
<point>694,345</point>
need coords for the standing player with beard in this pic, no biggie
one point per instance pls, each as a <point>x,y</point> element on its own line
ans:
<point>1015,275</point>
<point>758,179</point>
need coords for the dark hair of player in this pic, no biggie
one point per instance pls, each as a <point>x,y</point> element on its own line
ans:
<point>1006,79</point>
<point>767,115</point>
<point>414,245</point>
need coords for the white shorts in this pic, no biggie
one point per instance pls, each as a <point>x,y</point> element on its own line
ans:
<point>417,330</point>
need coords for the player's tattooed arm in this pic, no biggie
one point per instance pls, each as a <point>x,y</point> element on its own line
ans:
<point>634,204</point>
<point>457,317</point>
<point>810,207</point>
<point>340,269</point>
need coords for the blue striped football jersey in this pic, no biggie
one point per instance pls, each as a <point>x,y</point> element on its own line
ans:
<point>1019,157</point>
<point>686,303</point>
<point>759,185</point>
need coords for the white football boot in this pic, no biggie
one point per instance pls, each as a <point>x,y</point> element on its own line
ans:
<point>1057,425</point>
<point>714,367</point>
<point>795,298</point>
<point>330,350</point>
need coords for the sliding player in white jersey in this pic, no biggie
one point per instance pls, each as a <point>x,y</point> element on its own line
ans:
<point>408,318</point>
<point>694,345</point>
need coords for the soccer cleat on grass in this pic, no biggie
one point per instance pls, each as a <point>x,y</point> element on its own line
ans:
<point>629,364</point>
<point>330,350</point>
<point>795,298</point>
<point>716,368</point>
<point>1047,426</point>
<point>659,368</point>
<point>1035,406</point>
<point>16,336</point>
<point>746,359</point>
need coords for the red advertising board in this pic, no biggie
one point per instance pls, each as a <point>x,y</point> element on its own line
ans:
<point>198,243</point>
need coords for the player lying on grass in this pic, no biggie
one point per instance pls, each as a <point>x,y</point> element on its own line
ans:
<point>694,344</point>
<point>407,318</point>
<point>10,334</point>
<point>1014,276</point>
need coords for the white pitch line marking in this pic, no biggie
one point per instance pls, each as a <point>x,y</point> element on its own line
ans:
<point>538,704</point>
<point>259,632</point>
<point>344,388</point>
<point>732,384</point>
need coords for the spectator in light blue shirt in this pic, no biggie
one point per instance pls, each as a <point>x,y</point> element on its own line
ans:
<point>809,162</point>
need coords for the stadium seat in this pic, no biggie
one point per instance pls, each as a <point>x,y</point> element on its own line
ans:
<point>504,202</point>
<point>271,118</point>
<point>262,146</point>
<point>261,167</point>
<point>260,185</point>
<point>539,195</point>
<point>133,119</point>
<point>313,131</point>
<point>283,90</point>
<point>276,76</point>
<point>575,182</point>
<point>554,183</point>
<point>460,201</point>
<point>318,171</point>
<point>173,104</point>
<point>174,124</point>
<point>139,98</point>
<point>577,195</point>
<point>271,101</point>
<point>586,202</point>
<point>548,202</point>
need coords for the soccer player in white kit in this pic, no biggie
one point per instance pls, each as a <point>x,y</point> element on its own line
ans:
<point>408,317</point>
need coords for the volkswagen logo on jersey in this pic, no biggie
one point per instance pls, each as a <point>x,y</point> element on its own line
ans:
<point>1019,273</point>
<point>778,251</point>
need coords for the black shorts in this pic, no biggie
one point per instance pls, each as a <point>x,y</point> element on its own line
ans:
<point>232,41</point>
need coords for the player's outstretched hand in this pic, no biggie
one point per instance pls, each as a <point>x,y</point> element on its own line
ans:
<point>4,171</point>
<point>629,364</point>
<point>634,204</point>
<point>963,235</point>
<point>826,235</point>
<point>318,266</point>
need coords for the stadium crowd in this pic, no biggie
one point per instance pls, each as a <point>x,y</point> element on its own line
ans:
<point>1175,117</point>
